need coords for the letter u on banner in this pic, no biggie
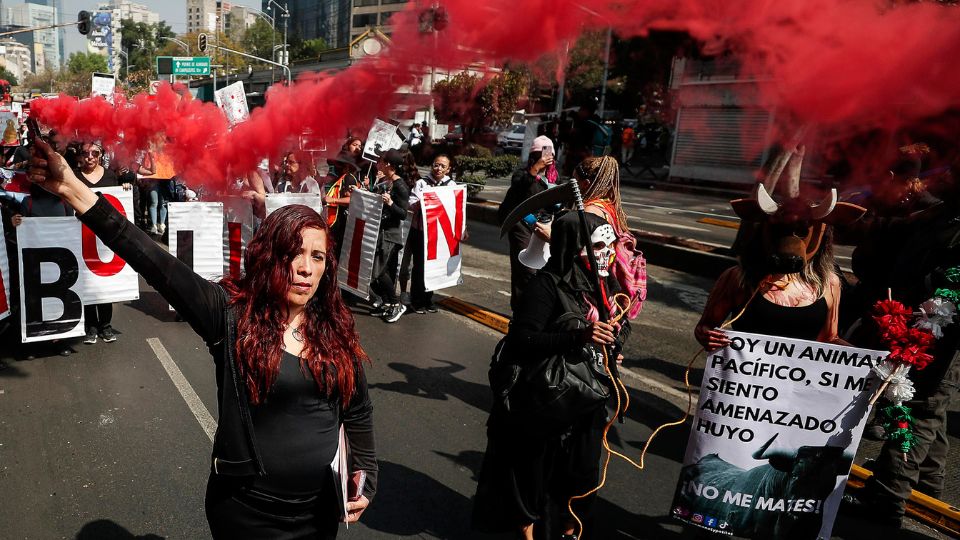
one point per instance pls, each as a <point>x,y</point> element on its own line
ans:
<point>442,212</point>
<point>360,243</point>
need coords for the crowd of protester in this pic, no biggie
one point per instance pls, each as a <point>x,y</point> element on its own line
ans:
<point>531,467</point>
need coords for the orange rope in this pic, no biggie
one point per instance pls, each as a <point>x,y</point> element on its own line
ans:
<point>618,386</point>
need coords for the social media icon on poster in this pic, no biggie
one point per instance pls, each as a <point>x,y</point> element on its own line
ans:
<point>681,511</point>
<point>723,525</point>
<point>698,518</point>
<point>710,521</point>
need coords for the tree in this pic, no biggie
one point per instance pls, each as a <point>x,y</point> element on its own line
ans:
<point>9,77</point>
<point>473,103</point>
<point>142,41</point>
<point>81,63</point>
<point>307,49</point>
<point>260,39</point>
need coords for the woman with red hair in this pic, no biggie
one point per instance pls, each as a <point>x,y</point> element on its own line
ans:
<point>288,361</point>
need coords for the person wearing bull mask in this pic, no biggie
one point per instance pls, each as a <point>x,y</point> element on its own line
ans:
<point>785,283</point>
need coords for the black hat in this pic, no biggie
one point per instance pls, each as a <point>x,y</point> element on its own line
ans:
<point>394,158</point>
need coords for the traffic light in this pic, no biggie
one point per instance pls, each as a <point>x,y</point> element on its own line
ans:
<point>202,42</point>
<point>83,22</point>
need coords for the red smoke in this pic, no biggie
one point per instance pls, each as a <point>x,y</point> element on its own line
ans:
<point>842,65</point>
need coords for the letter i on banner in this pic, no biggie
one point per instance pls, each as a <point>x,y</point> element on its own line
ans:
<point>196,236</point>
<point>443,211</point>
<point>239,224</point>
<point>50,308</point>
<point>360,243</point>
<point>4,276</point>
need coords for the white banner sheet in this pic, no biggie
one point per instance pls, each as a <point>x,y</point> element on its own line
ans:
<point>232,100</point>
<point>443,212</point>
<point>49,260</point>
<point>274,201</point>
<point>105,277</point>
<point>382,137</point>
<point>196,236</point>
<point>360,243</point>
<point>773,438</point>
<point>4,277</point>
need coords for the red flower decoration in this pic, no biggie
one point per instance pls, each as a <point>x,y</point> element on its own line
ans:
<point>903,424</point>
<point>892,307</point>
<point>907,345</point>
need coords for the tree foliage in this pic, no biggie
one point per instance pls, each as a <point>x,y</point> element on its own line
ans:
<point>473,102</point>
<point>142,42</point>
<point>260,39</point>
<point>86,63</point>
<point>9,77</point>
<point>307,49</point>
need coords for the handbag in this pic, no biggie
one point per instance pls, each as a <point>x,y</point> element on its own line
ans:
<point>554,391</point>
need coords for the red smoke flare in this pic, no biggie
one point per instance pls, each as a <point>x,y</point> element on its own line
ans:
<point>847,65</point>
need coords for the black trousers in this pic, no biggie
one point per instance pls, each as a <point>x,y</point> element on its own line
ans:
<point>419,296</point>
<point>385,272</point>
<point>98,315</point>
<point>520,275</point>
<point>234,511</point>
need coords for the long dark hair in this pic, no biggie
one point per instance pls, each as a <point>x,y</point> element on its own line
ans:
<point>332,350</point>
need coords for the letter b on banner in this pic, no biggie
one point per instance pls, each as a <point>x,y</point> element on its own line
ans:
<point>35,291</point>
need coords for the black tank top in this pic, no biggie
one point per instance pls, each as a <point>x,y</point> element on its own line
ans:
<point>764,317</point>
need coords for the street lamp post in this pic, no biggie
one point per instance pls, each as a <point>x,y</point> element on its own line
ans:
<point>286,18</point>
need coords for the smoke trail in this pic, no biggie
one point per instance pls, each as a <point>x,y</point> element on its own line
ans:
<point>845,65</point>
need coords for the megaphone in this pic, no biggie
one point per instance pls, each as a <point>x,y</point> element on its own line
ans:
<point>536,254</point>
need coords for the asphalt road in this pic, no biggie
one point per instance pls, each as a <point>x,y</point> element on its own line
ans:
<point>104,444</point>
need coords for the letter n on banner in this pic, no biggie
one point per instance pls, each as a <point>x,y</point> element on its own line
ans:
<point>4,276</point>
<point>240,223</point>
<point>50,307</point>
<point>443,211</point>
<point>360,243</point>
<point>196,236</point>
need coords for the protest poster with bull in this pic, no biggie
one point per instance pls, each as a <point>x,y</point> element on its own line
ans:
<point>776,428</point>
<point>383,136</point>
<point>443,214</point>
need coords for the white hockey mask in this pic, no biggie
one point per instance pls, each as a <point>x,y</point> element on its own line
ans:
<point>602,240</point>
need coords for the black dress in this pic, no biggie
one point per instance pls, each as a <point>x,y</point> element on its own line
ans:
<point>764,317</point>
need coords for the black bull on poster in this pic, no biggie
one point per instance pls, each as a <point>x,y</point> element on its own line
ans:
<point>776,427</point>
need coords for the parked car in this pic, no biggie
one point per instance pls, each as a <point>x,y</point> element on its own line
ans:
<point>487,137</point>
<point>512,142</point>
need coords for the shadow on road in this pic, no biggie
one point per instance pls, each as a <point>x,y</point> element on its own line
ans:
<point>153,305</point>
<point>437,383</point>
<point>104,529</point>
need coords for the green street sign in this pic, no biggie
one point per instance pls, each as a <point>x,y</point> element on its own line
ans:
<point>183,65</point>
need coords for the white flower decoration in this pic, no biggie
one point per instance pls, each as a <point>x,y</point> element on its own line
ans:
<point>936,313</point>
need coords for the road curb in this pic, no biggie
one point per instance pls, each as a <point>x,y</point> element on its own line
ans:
<point>669,251</point>
<point>923,508</point>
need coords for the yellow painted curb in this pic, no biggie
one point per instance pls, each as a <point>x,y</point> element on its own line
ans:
<point>720,222</point>
<point>923,508</point>
<point>487,318</point>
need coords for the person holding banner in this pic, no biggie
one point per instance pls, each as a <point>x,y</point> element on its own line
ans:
<point>295,177</point>
<point>536,456</point>
<point>280,330</point>
<point>90,171</point>
<point>396,200</point>
<point>421,299</point>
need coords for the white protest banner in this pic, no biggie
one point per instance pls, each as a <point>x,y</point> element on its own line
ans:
<point>103,84</point>
<point>49,260</point>
<point>239,226</point>
<point>279,200</point>
<point>4,277</point>
<point>443,213</point>
<point>104,276</point>
<point>196,236</point>
<point>383,136</point>
<point>232,100</point>
<point>360,242</point>
<point>776,428</point>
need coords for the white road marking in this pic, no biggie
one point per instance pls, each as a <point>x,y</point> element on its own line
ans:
<point>673,225</point>
<point>483,275</point>
<point>197,407</point>
<point>671,209</point>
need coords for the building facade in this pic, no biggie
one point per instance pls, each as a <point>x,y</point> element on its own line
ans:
<point>31,15</point>
<point>17,58</point>
<point>373,13</point>
<point>127,10</point>
<point>311,19</point>
<point>234,20</point>
<point>201,16</point>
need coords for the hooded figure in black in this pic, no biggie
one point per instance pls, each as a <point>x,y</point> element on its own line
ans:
<point>529,470</point>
